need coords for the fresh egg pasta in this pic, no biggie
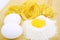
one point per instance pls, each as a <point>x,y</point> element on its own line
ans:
<point>30,9</point>
<point>46,10</point>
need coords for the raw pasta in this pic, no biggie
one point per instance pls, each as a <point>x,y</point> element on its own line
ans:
<point>30,9</point>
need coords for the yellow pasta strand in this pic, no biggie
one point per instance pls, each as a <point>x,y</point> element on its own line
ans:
<point>46,10</point>
<point>11,9</point>
<point>30,9</point>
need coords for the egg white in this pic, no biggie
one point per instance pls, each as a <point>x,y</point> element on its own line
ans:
<point>12,18</point>
<point>11,31</point>
<point>11,28</point>
<point>43,33</point>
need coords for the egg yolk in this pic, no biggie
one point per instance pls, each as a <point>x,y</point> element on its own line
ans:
<point>38,23</point>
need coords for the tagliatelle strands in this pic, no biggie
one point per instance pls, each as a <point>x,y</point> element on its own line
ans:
<point>26,7</point>
<point>33,11</point>
<point>30,9</point>
<point>46,10</point>
<point>14,8</point>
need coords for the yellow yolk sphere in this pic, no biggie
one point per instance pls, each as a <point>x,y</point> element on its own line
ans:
<point>38,23</point>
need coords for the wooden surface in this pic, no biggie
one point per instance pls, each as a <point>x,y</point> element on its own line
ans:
<point>55,5</point>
